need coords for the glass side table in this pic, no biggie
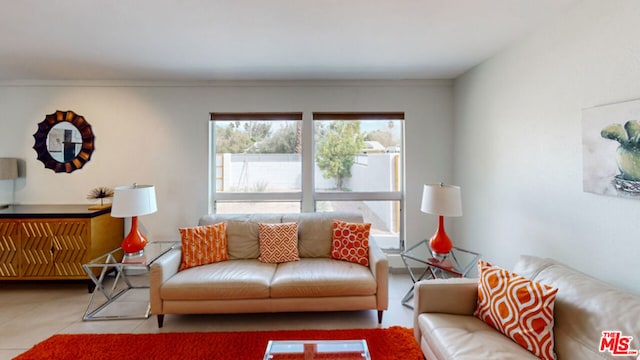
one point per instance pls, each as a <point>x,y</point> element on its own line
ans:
<point>131,273</point>
<point>457,263</point>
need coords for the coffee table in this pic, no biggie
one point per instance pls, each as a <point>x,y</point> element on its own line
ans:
<point>130,273</point>
<point>317,349</point>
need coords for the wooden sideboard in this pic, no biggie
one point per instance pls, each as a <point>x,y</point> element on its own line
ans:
<point>47,242</point>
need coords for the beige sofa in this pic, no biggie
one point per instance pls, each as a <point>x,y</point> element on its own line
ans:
<point>243,284</point>
<point>445,327</point>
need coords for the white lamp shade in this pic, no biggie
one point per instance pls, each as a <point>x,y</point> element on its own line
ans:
<point>134,200</point>
<point>8,168</point>
<point>441,199</point>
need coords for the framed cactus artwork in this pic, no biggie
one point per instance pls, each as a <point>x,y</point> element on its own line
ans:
<point>611,149</point>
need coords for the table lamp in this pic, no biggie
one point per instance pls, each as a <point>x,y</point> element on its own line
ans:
<point>133,201</point>
<point>442,200</point>
<point>8,171</point>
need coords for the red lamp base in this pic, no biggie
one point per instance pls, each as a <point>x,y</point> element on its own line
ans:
<point>135,242</point>
<point>440,243</point>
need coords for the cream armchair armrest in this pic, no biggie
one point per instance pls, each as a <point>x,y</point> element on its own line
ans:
<point>380,268</point>
<point>450,296</point>
<point>161,270</point>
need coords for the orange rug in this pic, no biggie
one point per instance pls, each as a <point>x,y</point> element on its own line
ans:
<point>388,344</point>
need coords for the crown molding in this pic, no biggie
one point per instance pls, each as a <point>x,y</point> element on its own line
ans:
<point>227,83</point>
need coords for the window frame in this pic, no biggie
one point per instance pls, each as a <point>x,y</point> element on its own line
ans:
<point>369,195</point>
<point>215,196</point>
<point>308,196</point>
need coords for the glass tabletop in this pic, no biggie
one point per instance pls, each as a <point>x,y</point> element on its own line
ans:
<point>317,349</point>
<point>151,253</point>
<point>422,264</point>
<point>458,262</point>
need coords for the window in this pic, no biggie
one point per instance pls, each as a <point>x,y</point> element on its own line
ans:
<point>352,163</point>
<point>257,162</point>
<point>358,166</point>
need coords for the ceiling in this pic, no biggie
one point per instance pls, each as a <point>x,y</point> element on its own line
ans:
<point>201,40</point>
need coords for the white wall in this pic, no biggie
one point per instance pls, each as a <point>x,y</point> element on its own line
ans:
<point>518,154</point>
<point>158,134</point>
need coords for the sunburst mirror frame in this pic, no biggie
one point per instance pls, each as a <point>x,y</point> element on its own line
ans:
<point>83,156</point>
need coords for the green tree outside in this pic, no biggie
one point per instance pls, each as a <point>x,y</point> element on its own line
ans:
<point>337,143</point>
<point>256,137</point>
<point>283,141</point>
<point>336,148</point>
<point>232,139</point>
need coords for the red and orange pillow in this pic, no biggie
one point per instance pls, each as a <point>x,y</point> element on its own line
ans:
<point>203,245</point>
<point>350,242</point>
<point>278,242</point>
<point>207,244</point>
<point>520,308</point>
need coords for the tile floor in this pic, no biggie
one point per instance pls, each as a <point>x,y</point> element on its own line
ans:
<point>30,312</point>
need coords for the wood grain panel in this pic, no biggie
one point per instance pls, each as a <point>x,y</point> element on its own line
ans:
<point>70,247</point>
<point>37,248</point>
<point>9,249</point>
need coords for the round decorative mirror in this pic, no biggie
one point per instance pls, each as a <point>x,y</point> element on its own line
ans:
<point>64,141</point>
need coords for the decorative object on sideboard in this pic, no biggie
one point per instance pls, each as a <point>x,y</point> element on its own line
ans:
<point>133,201</point>
<point>64,141</point>
<point>100,192</point>
<point>9,171</point>
<point>441,200</point>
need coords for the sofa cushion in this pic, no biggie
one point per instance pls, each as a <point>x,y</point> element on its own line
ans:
<point>466,337</point>
<point>351,242</point>
<point>233,279</point>
<point>319,277</point>
<point>518,307</point>
<point>585,307</point>
<point>530,266</point>
<point>203,245</point>
<point>278,242</point>
<point>242,232</point>
<point>315,231</point>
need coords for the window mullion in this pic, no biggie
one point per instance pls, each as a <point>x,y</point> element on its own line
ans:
<point>308,183</point>
<point>355,196</point>
<point>260,196</point>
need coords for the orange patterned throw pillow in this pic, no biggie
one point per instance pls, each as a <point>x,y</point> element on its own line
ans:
<point>351,242</point>
<point>278,242</point>
<point>203,245</point>
<point>518,307</point>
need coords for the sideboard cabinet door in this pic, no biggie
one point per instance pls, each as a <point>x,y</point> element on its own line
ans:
<point>9,249</point>
<point>37,248</point>
<point>70,244</point>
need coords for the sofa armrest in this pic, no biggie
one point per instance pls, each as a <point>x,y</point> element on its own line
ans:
<point>449,296</point>
<point>160,271</point>
<point>379,266</point>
